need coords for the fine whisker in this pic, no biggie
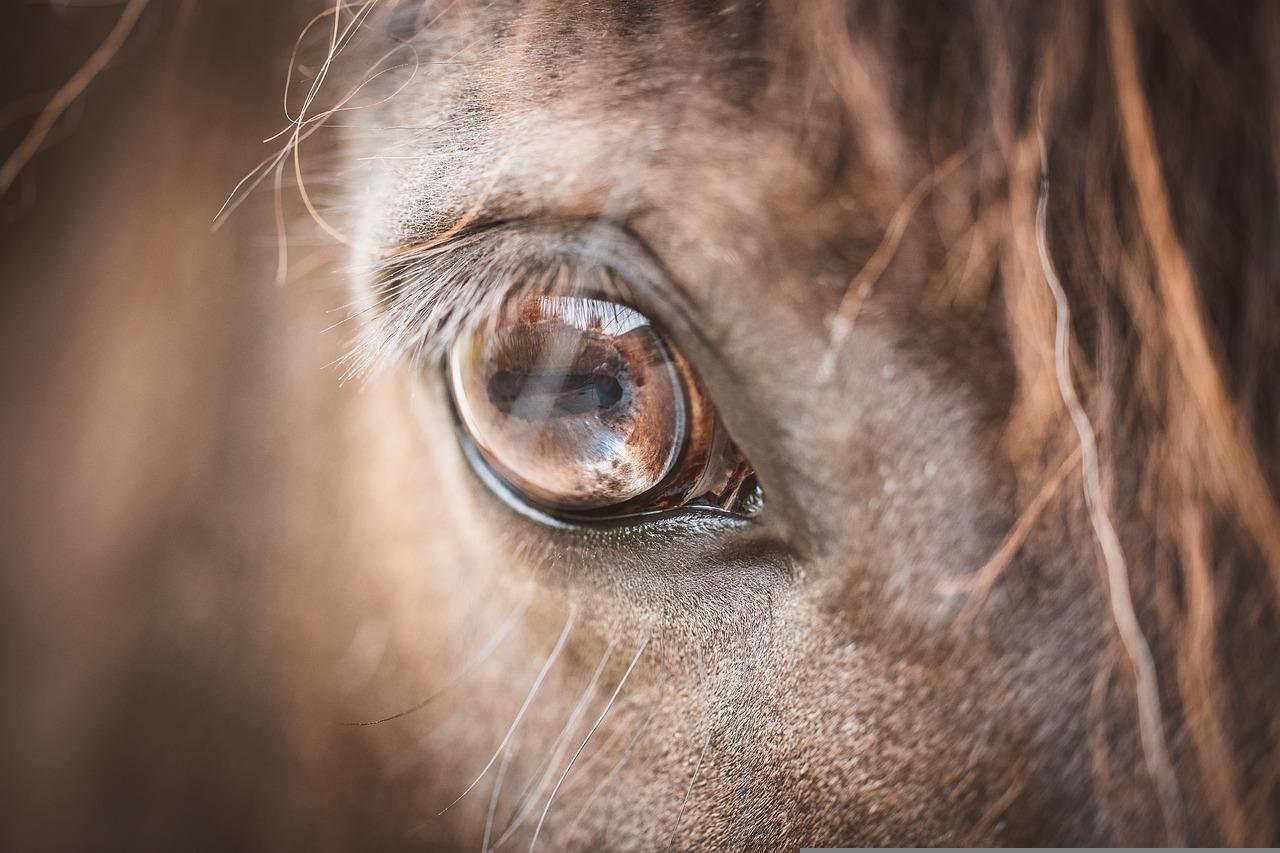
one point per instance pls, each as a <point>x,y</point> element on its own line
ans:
<point>480,657</point>
<point>599,720</point>
<point>494,795</point>
<point>533,691</point>
<point>617,766</point>
<point>543,773</point>
<point>706,742</point>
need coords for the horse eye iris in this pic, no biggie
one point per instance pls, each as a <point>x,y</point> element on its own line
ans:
<point>574,401</point>
<point>581,406</point>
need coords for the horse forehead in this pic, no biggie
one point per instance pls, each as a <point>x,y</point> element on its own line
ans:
<point>605,113</point>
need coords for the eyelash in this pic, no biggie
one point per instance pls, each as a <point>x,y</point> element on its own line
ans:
<point>424,297</point>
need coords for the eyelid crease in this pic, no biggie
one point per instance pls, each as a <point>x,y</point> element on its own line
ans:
<point>425,296</point>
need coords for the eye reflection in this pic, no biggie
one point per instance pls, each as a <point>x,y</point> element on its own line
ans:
<point>584,409</point>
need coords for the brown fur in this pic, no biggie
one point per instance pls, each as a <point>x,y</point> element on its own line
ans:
<point>851,217</point>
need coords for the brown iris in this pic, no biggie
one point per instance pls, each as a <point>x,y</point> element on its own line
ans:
<point>584,409</point>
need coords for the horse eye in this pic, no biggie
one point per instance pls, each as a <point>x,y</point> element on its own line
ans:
<point>585,410</point>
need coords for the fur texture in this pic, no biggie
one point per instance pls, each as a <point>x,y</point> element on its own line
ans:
<point>985,292</point>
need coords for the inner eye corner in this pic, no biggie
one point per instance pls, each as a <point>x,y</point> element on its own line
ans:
<point>585,410</point>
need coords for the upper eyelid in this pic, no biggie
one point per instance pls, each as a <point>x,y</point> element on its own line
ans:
<point>599,240</point>
<point>425,295</point>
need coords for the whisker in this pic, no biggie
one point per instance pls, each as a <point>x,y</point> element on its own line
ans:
<point>626,755</point>
<point>493,797</point>
<point>583,745</point>
<point>617,767</point>
<point>480,657</point>
<point>542,775</point>
<point>537,683</point>
<point>697,770</point>
<point>606,749</point>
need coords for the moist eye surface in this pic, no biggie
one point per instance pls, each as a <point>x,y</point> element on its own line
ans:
<point>584,408</point>
<point>573,401</point>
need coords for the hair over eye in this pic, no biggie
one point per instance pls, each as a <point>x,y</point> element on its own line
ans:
<point>584,409</point>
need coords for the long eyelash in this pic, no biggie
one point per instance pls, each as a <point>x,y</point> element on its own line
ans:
<point>424,299</point>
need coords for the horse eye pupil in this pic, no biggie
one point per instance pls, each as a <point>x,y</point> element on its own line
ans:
<point>608,391</point>
<point>532,396</point>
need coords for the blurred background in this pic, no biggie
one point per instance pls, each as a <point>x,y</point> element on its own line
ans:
<point>157,546</point>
